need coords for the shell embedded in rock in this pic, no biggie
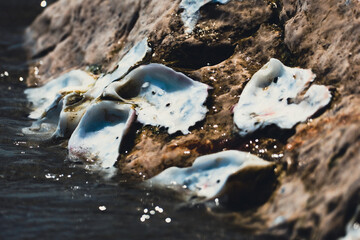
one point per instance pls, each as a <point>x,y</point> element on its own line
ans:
<point>279,95</point>
<point>77,85</point>
<point>74,106</point>
<point>43,97</point>
<point>191,14</point>
<point>100,131</point>
<point>46,126</point>
<point>162,97</point>
<point>135,55</point>
<point>208,176</point>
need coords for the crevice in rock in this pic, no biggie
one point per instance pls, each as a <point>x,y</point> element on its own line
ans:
<point>256,188</point>
<point>195,56</point>
<point>44,52</point>
<point>134,19</point>
<point>337,155</point>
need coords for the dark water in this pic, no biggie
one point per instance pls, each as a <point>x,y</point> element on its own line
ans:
<point>44,196</point>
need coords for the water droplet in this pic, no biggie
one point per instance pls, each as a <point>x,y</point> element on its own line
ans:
<point>168,220</point>
<point>161,92</point>
<point>43,3</point>
<point>145,85</point>
<point>159,209</point>
<point>102,208</point>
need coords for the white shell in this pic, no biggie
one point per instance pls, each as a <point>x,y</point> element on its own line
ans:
<point>43,97</point>
<point>163,97</point>
<point>277,94</point>
<point>64,120</point>
<point>99,134</point>
<point>47,124</point>
<point>209,174</point>
<point>71,114</point>
<point>134,56</point>
<point>191,14</point>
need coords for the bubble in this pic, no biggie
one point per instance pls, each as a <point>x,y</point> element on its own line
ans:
<point>168,220</point>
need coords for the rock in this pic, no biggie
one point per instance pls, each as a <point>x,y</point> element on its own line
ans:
<point>317,161</point>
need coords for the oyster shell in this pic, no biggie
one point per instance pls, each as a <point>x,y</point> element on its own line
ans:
<point>99,133</point>
<point>42,97</point>
<point>162,97</point>
<point>208,176</point>
<point>278,95</point>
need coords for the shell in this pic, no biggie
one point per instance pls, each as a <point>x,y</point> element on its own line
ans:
<point>135,55</point>
<point>162,97</point>
<point>98,136</point>
<point>208,176</point>
<point>59,117</point>
<point>42,97</point>
<point>73,108</point>
<point>191,14</point>
<point>279,95</point>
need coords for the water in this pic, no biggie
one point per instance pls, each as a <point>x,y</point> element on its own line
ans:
<point>42,195</point>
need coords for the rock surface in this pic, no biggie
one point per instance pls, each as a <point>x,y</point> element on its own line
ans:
<point>317,162</point>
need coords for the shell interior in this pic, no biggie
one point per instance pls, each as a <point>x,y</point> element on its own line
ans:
<point>100,132</point>
<point>135,55</point>
<point>42,97</point>
<point>208,176</point>
<point>162,97</point>
<point>278,95</point>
